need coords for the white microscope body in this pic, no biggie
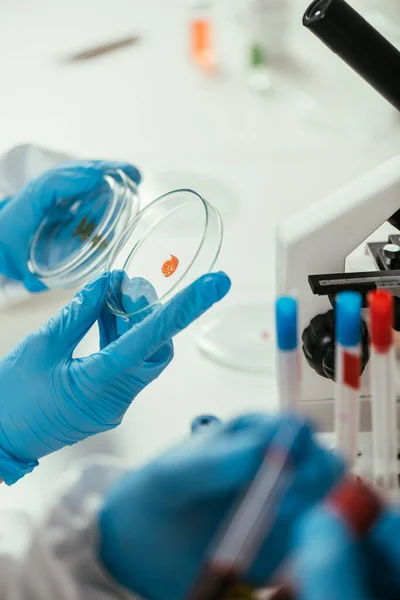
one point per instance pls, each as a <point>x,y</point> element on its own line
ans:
<point>318,240</point>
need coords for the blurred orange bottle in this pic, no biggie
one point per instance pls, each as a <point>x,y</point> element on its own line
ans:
<point>201,42</point>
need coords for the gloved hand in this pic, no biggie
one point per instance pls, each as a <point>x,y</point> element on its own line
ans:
<point>329,563</point>
<point>21,215</point>
<point>157,523</point>
<point>50,400</point>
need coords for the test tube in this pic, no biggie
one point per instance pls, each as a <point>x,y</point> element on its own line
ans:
<point>347,373</point>
<point>201,35</point>
<point>259,75</point>
<point>267,24</point>
<point>240,542</point>
<point>384,394</point>
<point>288,359</point>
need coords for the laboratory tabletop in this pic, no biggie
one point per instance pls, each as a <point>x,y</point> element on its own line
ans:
<point>258,158</point>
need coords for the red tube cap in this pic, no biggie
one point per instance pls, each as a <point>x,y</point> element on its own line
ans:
<point>358,504</point>
<point>381,320</point>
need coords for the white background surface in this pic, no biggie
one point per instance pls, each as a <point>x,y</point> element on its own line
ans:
<point>319,128</point>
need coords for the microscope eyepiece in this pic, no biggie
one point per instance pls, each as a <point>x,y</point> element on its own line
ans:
<point>362,47</point>
<point>317,10</point>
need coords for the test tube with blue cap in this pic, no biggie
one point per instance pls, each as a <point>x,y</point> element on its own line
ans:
<point>238,545</point>
<point>347,373</point>
<point>288,359</point>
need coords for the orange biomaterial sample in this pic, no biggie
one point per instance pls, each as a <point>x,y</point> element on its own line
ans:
<point>170,266</point>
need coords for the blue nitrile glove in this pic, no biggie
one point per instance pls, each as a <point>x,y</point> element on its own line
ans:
<point>157,523</point>
<point>128,295</point>
<point>21,215</point>
<point>381,555</point>
<point>50,400</point>
<point>328,561</point>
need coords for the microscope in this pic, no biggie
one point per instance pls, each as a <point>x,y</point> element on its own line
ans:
<point>314,249</point>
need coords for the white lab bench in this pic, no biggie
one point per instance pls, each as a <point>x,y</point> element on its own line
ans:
<point>148,104</point>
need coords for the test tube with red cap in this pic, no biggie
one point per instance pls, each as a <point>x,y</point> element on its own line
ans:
<point>347,373</point>
<point>384,393</point>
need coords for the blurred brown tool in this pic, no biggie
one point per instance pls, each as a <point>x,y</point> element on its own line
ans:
<point>102,49</point>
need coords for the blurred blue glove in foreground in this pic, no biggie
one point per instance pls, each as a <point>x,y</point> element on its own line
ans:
<point>157,523</point>
<point>330,563</point>
<point>50,400</point>
<point>21,215</point>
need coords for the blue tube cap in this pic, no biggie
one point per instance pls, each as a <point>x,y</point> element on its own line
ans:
<point>348,318</point>
<point>286,323</point>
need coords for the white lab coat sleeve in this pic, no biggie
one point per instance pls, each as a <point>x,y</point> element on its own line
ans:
<point>17,167</point>
<point>25,162</point>
<point>60,562</point>
<point>11,292</point>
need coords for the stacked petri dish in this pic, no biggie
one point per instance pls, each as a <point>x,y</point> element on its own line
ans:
<point>152,254</point>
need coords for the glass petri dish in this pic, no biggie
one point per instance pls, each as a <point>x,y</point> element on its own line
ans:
<point>170,243</point>
<point>241,337</point>
<point>78,233</point>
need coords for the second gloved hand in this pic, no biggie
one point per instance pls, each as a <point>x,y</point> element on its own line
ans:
<point>157,524</point>
<point>50,400</point>
<point>21,215</point>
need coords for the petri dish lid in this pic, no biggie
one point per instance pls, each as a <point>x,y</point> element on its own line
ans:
<point>170,243</point>
<point>241,337</point>
<point>78,233</point>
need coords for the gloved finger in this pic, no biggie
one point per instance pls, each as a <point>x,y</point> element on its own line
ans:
<point>33,284</point>
<point>107,327</point>
<point>73,321</point>
<point>130,295</point>
<point>101,166</point>
<point>42,193</point>
<point>136,296</point>
<point>130,170</point>
<point>139,300</point>
<point>327,562</point>
<point>222,460</point>
<point>107,321</point>
<point>126,296</point>
<point>167,321</point>
<point>69,180</point>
